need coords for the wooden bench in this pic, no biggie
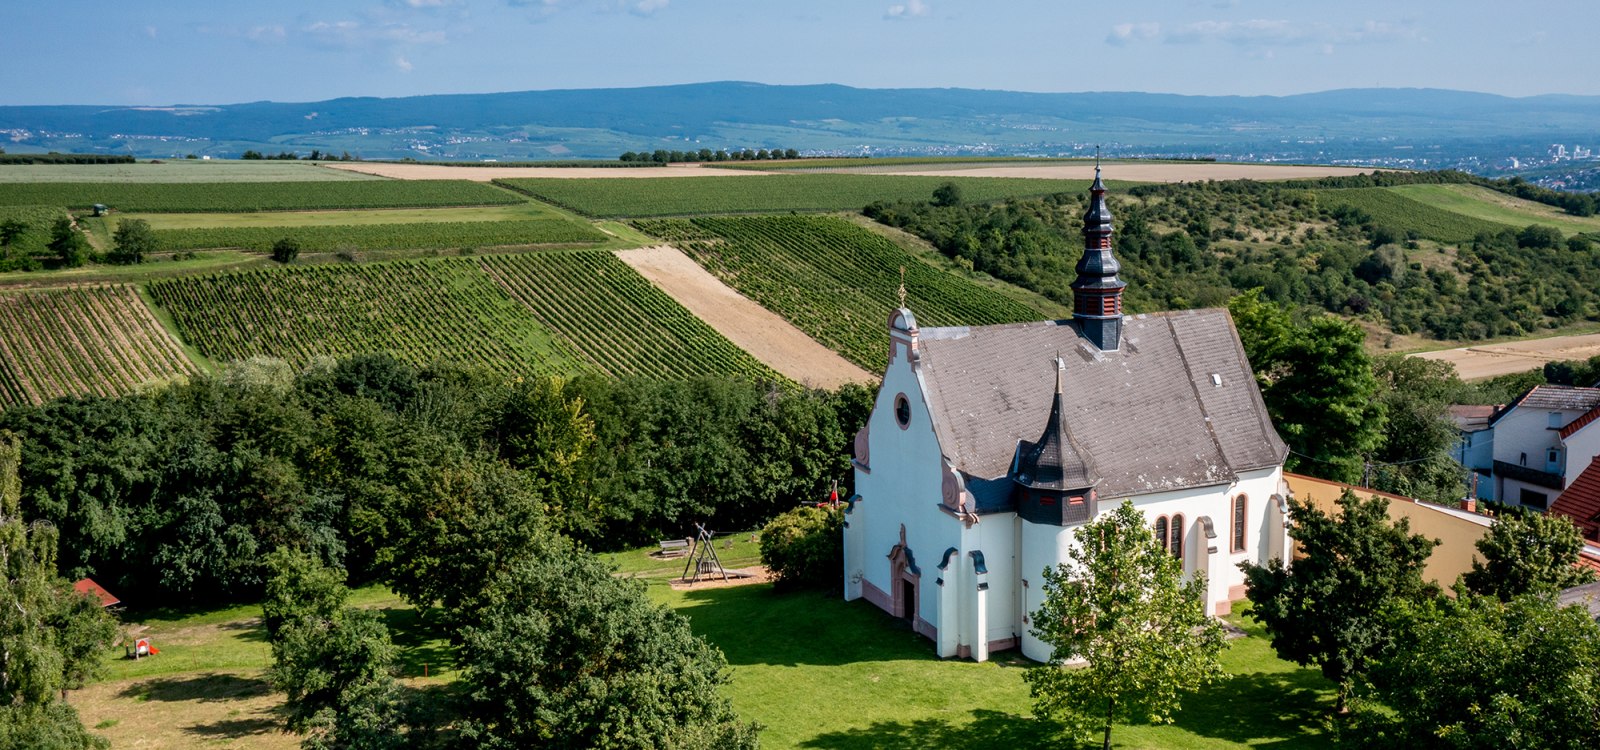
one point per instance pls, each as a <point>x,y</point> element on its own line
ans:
<point>674,547</point>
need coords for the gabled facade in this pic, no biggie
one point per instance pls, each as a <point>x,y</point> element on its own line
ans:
<point>988,446</point>
<point>1535,446</point>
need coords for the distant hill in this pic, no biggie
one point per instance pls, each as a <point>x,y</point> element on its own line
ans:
<point>819,118</point>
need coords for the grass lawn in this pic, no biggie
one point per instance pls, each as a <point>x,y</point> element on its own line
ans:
<point>516,212</point>
<point>1489,205</point>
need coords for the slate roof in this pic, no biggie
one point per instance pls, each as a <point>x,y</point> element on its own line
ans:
<point>1581,501</point>
<point>1055,461</point>
<point>1470,418</point>
<point>1149,417</point>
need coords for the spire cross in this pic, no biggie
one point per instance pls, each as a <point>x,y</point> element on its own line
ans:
<point>902,290</point>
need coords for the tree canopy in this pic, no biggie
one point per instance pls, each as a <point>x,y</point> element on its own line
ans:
<point>1122,607</point>
<point>1333,606</point>
<point>1527,553</point>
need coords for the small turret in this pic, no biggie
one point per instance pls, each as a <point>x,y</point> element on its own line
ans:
<point>1053,476</point>
<point>1097,292</point>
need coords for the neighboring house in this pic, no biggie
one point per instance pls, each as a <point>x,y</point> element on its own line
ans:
<point>988,445</point>
<point>1533,447</point>
<point>1580,501</point>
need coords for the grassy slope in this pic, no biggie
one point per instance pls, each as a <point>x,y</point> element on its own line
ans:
<point>240,197</point>
<point>1488,205</point>
<point>1401,212</point>
<point>517,212</point>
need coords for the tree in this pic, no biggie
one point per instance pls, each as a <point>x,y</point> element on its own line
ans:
<point>804,547</point>
<point>286,249</point>
<point>1123,608</point>
<point>564,655</point>
<point>948,194</point>
<point>52,639</point>
<point>10,230</point>
<point>1415,457</point>
<point>332,661</point>
<point>134,239</point>
<point>68,243</point>
<point>1527,553</point>
<point>1333,607</point>
<point>1318,385</point>
<point>1479,673</point>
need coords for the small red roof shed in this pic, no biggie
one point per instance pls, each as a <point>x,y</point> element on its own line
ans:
<point>89,587</point>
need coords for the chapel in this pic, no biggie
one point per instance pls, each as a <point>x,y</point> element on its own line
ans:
<point>988,445</point>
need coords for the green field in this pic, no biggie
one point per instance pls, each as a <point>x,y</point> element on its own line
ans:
<point>77,341</point>
<point>784,165</point>
<point>179,170</point>
<point>524,211</point>
<point>832,279</point>
<point>1401,212</point>
<point>254,196</point>
<point>815,671</point>
<point>35,238</point>
<point>468,234</point>
<point>553,312</point>
<point>1490,205</point>
<point>778,193</point>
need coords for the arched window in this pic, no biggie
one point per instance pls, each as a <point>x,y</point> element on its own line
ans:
<point>1176,546</point>
<point>1238,523</point>
<point>1161,531</point>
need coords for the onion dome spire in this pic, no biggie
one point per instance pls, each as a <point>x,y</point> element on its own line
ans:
<point>1097,292</point>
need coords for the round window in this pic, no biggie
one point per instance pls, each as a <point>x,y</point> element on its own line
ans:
<point>902,410</point>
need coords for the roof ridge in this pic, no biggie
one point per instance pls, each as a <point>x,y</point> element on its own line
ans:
<point>1581,422</point>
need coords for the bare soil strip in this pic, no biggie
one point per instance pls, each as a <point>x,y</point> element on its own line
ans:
<point>1490,360</point>
<point>1185,172</point>
<point>752,327</point>
<point>486,174</point>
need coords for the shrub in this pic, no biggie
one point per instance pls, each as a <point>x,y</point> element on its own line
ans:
<point>804,549</point>
<point>286,250</point>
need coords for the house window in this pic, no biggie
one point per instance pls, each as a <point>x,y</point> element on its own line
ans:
<point>1176,547</point>
<point>1161,531</point>
<point>902,411</point>
<point>1533,499</point>
<point>1238,523</point>
<point>1555,420</point>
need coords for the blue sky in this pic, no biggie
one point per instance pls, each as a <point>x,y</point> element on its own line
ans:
<point>220,51</point>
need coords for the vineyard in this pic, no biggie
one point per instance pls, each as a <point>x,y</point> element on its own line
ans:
<point>620,323</point>
<point>679,196</point>
<point>418,311</point>
<point>254,196</point>
<point>385,236</point>
<point>832,279</point>
<point>1391,209</point>
<point>37,221</point>
<point>554,312</point>
<point>81,341</point>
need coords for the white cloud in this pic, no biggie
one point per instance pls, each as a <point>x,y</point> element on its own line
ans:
<point>357,34</point>
<point>1123,33</point>
<point>266,33</point>
<point>546,8</point>
<point>908,9</point>
<point>402,64</point>
<point>150,31</point>
<point>1264,32</point>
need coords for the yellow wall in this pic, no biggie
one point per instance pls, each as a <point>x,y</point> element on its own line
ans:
<point>1457,536</point>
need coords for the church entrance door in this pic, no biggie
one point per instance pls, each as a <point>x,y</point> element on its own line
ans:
<point>908,595</point>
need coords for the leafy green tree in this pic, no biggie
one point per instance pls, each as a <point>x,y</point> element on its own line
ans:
<point>1415,459</point>
<point>1478,673</point>
<point>1318,385</point>
<point>1334,605</point>
<point>10,230</point>
<point>133,241</point>
<point>285,250</point>
<point>946,195</point>
<point>564,655</point>
<point>804,547</point>
<point>1527,553</point>
<point>68,243</point>
<point>332,661</point>
<point>1122,607</point>
<point>51,636</point>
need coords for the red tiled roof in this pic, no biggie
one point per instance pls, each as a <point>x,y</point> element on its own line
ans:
<point>90,588</point>
<point>1580,422</point>
<point>1581,501</point>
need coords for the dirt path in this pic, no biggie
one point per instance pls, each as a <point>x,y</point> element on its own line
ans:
<point>752,327</point>
<point>1490,360</point>
<point>485,174</point>
<point>1190,172</point>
